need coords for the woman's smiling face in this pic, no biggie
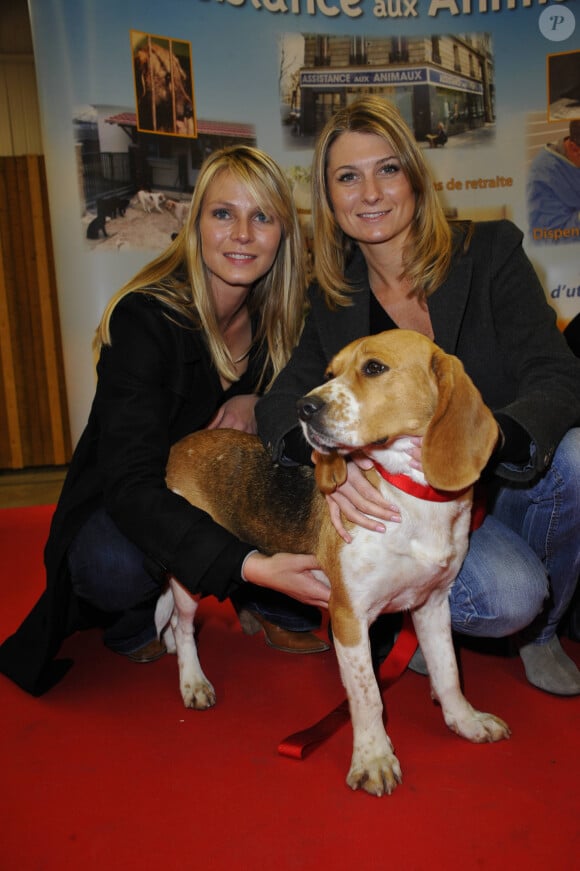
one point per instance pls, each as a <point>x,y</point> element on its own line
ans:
<point>239,240</point>
<point>371,196</point>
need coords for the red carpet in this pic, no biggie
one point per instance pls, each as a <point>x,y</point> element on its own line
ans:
<point>109,771</point>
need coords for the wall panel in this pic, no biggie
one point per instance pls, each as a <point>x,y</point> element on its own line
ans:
<point>34,426</point>
<point>20,101</point>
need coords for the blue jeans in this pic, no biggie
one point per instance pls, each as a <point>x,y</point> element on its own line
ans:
<point>108,571</point>
<point>523,563</point>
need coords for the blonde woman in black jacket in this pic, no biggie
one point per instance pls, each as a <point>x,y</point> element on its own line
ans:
<point>188,343</point>
<point>386,257</point>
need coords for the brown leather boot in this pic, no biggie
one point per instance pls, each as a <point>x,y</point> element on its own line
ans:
<point>278,638</point>
<point>149,652</point>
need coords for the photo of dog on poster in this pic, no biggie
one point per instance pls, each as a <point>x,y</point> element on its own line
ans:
<point>163,84</point>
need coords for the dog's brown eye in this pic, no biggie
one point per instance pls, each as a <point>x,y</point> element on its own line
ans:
<point>328,375</point>
<point>374,367</point>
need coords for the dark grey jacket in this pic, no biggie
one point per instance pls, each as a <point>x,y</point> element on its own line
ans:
<point>491,312</point>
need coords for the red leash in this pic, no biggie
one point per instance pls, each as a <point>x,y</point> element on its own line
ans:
<point>300,744</point>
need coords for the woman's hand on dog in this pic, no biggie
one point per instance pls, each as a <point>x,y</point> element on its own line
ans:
<point>360,502</point>
<point>236,413</point>
<point>288,573</point>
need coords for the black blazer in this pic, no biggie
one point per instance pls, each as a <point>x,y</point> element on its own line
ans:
<point>155,384</point>
<point>491,312</point>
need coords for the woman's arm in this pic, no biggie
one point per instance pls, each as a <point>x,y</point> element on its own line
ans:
<point>288,573</point>
<point>547,400</point>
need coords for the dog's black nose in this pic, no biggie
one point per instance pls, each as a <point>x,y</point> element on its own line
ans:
<point>308,406</point>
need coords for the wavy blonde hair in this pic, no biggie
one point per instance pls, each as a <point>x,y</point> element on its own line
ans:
<point>427,253</point>
<point>179,277</point>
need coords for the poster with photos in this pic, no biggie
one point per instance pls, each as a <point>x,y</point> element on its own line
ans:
<point>489,89</point>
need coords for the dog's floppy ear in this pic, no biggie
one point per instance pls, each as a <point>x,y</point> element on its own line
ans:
<point>462,433</point>
<point>329,471</point>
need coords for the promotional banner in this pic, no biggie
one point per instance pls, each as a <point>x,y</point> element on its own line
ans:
<point>134,95</point>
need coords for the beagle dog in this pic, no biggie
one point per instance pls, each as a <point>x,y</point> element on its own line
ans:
<point>380,391</point>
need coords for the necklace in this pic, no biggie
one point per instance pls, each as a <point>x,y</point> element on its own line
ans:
<point>243,357</point>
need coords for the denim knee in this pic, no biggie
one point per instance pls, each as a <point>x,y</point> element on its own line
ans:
<point>502,585</point>
<point>106,569</point>
<point>491,617</point>
<point>545,514</point>
<point>567,456</point>
<point>566,468</point>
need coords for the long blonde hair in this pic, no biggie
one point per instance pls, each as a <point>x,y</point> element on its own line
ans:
<point>427,253</point>
<point>179,277</point>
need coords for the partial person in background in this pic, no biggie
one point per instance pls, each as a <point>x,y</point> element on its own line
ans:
<point>439,138</point>
<point>187,344</point>
<point>386,257</point>
<point>553,188</point>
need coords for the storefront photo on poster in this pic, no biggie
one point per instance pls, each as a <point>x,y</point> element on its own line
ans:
<point>135,98</point>
<point>322,73</point>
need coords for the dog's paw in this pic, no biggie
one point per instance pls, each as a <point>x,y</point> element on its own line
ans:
<point>376,776</point>
<point>480,728</point>
<point>200,695</point>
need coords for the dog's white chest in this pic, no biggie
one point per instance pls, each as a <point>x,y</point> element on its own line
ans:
<point>398,569</point>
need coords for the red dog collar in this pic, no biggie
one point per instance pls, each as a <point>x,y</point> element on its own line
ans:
<point>421,491</point>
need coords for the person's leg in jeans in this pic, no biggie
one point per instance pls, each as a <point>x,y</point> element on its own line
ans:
<point>547,517</point>
<point>501,586</point>
<point>527,548</point>
<point>107,571</point>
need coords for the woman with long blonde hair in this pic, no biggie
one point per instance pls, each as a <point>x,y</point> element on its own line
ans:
<point>188,343</point>
<point>181,278</point>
